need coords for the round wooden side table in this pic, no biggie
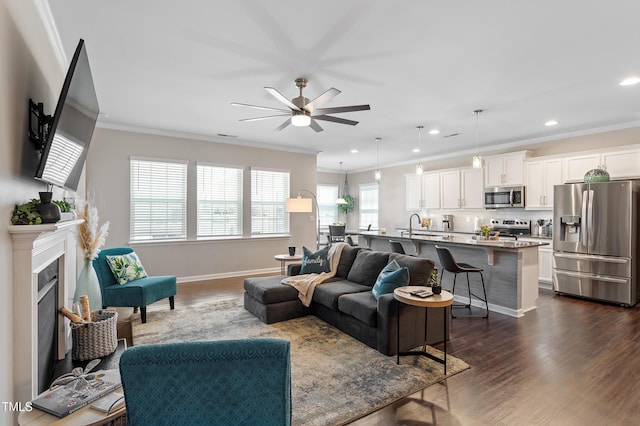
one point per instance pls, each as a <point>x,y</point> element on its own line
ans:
<point>442,300</point>
<point>284,258</point>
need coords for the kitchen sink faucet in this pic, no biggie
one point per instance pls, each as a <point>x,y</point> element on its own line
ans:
<point>419,222</point>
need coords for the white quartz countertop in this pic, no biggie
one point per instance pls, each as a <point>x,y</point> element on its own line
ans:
<point>456,238</point>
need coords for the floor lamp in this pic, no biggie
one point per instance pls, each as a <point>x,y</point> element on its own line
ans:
<point>304,205</point>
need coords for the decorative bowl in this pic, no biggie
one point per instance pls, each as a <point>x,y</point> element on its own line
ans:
<point>596,175</point>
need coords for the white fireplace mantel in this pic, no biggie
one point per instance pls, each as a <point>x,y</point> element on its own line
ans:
<point>34,248</point>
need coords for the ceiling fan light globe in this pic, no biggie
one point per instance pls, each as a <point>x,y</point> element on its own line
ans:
<point>300,120</point>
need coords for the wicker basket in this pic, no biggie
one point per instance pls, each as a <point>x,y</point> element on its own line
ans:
<point>95,339</point>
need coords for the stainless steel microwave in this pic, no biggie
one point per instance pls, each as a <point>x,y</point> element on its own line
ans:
<point>504,197</point>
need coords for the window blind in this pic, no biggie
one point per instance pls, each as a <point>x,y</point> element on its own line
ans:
<point>219,201</point>
<point>369,205</point>
<point>269,193</point>
<point>158,200</point>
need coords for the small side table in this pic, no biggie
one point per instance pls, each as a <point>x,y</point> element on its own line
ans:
<point>284,258</point>
<point>441,300</point>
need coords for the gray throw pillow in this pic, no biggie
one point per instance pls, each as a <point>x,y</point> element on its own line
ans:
<point>419,267</point>
<point>367,267</point>
<point>346,260</point>
<point>315,263</point>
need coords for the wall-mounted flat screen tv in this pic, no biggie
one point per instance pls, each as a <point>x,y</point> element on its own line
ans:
<point>72,126</point>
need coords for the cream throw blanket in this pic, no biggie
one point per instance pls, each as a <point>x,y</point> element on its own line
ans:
<point>306,283</point>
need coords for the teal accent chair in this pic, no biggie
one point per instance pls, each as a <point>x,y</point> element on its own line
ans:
<point>137,293</point>
<point>225,382</point>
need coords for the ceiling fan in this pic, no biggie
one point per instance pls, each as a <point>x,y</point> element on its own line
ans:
<point>303,112</point>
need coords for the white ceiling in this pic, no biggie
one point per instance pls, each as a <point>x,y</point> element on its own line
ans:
<point>175,67</point>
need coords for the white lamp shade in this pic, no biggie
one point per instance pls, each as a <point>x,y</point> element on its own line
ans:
<point>299,205</point>
<point>477,162</point>
<point>419,169</point>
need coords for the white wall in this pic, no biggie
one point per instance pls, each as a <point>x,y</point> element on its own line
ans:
<point>108,181</point>
<point>28,69</point>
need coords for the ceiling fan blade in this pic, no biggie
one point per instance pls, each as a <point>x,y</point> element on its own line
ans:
<point>335,119</point>
<point>283,125</point>
<point>315,126</point>
<point>337,110</point>
<point>259,107</point>
<point>264,118</point>
<point>279,96</point>
<point>322,99</point>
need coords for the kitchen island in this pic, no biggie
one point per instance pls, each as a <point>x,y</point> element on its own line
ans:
<point>510,266</point>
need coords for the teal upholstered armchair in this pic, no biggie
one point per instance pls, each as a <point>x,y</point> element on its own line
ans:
<point>227,382</point>
<point>137,293</point>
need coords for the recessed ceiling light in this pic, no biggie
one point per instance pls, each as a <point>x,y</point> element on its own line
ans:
<point>416,149</point>
<point>354,151</point>
<point>630,81</point>
<point>434,132</point>
<point>551,123</point>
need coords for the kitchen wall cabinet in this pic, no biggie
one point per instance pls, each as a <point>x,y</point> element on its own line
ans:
<point>576,166</point>
<point>540,177</point>
<point>623,164</point>
<point>461,189</point>
<point>422,191</point>
<point>504,170</point>
<point>413,192</point>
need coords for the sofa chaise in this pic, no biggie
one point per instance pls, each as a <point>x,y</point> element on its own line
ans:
<point>347,302</point>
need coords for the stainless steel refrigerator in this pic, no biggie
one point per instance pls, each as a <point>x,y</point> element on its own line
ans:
<point>595,241</point>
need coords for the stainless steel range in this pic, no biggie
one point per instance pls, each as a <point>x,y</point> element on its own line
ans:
<point>512,227</point>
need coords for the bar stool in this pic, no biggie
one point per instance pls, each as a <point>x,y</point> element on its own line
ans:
<point>449,264</point>
<point>396,247</point>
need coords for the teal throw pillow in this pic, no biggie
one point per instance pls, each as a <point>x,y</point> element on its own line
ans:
<point>390,278</point>
<point>126,267</point>
<point>315,263</point>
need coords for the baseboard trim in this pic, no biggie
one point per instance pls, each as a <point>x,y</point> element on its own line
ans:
<point>233,274</point>
<point>517,313</point>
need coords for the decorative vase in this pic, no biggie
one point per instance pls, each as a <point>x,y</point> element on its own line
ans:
<point>49,212</point>
<point>88,284</point>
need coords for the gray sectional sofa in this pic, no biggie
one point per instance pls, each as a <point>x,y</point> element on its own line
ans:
<point>347,303</point>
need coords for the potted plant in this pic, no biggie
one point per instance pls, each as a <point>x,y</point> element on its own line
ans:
<point>485,230</point>
<point>346,208</point>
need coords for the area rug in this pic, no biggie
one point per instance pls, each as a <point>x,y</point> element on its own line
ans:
<point>335,378</point>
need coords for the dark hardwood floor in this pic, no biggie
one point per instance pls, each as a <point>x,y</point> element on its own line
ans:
<point>570,362</point>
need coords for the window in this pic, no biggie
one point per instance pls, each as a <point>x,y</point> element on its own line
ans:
<point>158,200</point>
<point>327,196</point>
<point>269,193</point>
<point>219,201</point>
<point>369,206</point>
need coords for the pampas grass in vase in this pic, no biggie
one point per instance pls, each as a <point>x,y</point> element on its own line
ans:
<point>91,238</point>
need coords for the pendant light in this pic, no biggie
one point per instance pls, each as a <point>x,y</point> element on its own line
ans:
<point>477,160</point>
<point>378,173</point>
<point>419,168</point>
<point>341,200</point>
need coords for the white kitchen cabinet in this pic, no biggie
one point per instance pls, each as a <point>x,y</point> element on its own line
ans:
<point>576,166</point>
<point>462,189</point>
<point>431,190</point>
<point>622,164</point>
<point>545,264</point>
<point>545,261</point>
<point>472,188</point>
<point>413,192</point>
<point>540,177</point>
<point>422,191</point>
<point>504,170</point>
<point>450,189</point>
